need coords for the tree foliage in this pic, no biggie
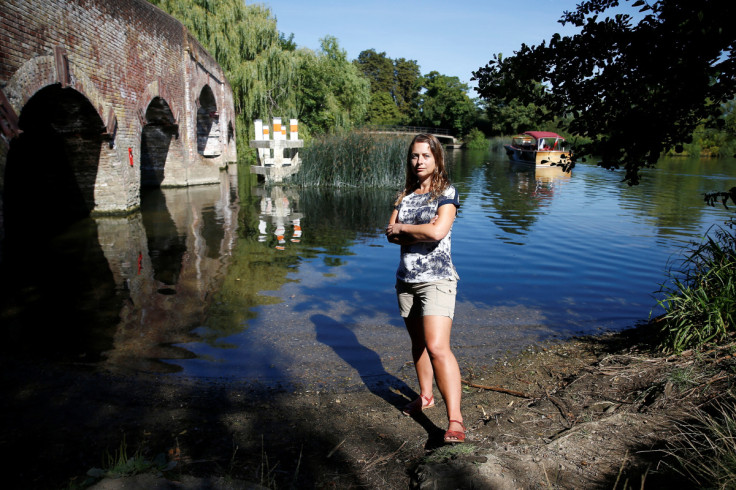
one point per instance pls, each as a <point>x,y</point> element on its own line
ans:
<point>445,103</point>
<point>633,89</point>
<point>395,86</point>
<point>332,94</point>
<point>268,74</point>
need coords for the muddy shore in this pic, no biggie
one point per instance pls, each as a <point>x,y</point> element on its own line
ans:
<point>583,413</point>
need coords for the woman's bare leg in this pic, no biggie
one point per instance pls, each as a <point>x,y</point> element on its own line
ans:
<point>444,364</point>
<point>420,356</point>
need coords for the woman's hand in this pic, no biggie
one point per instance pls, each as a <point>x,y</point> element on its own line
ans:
<point>393,229</point>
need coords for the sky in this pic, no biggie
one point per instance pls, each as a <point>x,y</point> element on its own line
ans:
<point>453,38</point>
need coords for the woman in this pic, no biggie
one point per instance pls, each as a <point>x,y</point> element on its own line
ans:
<point>426,279</point>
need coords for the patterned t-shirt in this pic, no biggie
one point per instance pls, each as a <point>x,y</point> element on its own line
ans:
<point>426,261</point>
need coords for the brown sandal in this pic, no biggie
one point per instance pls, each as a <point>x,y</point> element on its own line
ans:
<point>455,436</point>
<point>416,407</point>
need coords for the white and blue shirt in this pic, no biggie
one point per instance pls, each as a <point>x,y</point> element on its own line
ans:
<point>426,261</point>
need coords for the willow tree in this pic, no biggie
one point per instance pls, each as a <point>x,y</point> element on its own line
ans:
<point>246,43</point>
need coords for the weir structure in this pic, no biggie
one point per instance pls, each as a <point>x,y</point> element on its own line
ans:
<point>278,156</point>
<point>98,99</point>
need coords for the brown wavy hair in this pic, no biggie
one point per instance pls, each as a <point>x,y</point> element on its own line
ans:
<point>440,180</point>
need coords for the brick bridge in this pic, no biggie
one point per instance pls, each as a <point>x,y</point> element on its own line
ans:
<point>99,98</point>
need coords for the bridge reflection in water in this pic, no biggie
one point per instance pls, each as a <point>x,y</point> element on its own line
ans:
<point>122,290</point>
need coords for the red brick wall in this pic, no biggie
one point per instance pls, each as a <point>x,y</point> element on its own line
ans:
<point>120,54</point>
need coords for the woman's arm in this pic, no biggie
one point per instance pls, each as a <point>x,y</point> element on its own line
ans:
<point>394,237</point>
<point>433,231</point>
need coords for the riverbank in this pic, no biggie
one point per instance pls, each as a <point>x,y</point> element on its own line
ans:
<point>582,413</point>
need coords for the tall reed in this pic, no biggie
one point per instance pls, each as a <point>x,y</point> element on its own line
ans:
<point>700,305</point>
<point>354,159</point>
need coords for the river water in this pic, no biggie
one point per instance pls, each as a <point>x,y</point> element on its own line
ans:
<point>294,287</point>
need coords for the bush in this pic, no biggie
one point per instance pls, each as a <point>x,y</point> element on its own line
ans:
<point>476,140</point>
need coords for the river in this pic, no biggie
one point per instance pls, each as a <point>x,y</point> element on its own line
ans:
<point>284,287</point>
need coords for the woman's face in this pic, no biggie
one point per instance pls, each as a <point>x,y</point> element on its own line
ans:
<point>422,160</point>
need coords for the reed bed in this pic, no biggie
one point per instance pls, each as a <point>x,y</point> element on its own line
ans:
<point>354,159</point>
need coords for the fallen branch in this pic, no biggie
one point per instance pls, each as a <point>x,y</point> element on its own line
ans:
<point>332,451</point>
<point>498,389</point>
<point>567,415</point>
<point>383,459</point>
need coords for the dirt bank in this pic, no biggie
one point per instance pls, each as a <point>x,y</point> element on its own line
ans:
<point>577,414</point>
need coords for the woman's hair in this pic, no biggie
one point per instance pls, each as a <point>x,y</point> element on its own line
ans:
<point>440,180</point>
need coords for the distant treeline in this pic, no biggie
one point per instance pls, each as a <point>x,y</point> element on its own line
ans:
<point>272,76</point>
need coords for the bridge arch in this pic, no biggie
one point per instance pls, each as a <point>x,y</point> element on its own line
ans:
<point>209,143</point>
<point>159,139</point>
<point>52,166</point>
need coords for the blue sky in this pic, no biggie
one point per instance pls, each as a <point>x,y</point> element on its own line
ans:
<point>451,37</point>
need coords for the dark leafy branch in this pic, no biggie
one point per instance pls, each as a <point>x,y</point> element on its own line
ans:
<point>630,90</point>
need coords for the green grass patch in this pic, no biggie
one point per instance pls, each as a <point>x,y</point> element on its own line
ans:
<point>120,464</point>
<point>448,452</point>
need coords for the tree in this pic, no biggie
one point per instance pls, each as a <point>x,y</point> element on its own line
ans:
<point>634,90</point>
<point>383,110</point>
<point>514,116</point>
<point>331,93</point>
<point>446,104</point>
<point>391,80</point>
<point>378,68</point>
<point>407,84</point>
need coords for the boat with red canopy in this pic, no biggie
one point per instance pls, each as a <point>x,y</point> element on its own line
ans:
<point>543,149</point>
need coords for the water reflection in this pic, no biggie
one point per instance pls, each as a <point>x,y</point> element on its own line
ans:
<point>123,289</point>
<point>58,297</point>
<point>516,195</point>
<point>224,280</point>
<point>276,205</point>
<point>186,242</point>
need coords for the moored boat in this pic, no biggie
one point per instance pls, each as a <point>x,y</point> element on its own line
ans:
<point>542,149</point>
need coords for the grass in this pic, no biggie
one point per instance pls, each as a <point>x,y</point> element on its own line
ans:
<point>705,450</point>
<point>700,303</point>
<point>354,159</point>
<point>121,464</point>
<point>449,451</point>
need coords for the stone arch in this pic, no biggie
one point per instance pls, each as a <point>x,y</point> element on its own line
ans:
<point>51,168</point>
<point>157,89</point>
<point>156,137</point>
<point>161,150</point>
<point>209,141</point>
<point>42,71</point>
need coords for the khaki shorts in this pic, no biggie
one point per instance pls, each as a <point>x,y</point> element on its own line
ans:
<point>427,298</point>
